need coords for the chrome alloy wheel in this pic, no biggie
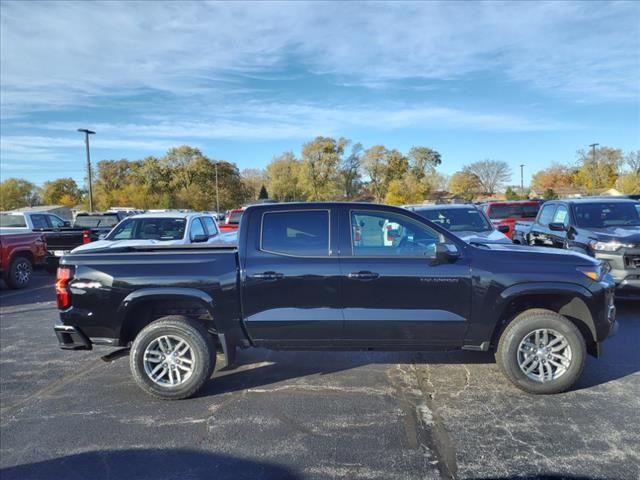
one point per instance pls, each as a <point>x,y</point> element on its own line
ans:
<point>22,272</point>
<point>544,355</point>
<point>168,361</point>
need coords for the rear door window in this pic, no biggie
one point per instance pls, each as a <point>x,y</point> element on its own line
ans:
<point>303,233</point>
<point>39,221</point>
<point>196,229</point>
<point>211,225</point>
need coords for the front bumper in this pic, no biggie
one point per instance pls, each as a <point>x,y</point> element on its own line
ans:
<point>71,338</point>
<point>625,271</point>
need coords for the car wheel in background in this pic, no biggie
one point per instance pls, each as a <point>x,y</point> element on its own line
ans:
<point>20,272</point>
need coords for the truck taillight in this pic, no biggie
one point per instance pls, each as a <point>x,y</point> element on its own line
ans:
<point>86,236</point>
<point>63,293</point>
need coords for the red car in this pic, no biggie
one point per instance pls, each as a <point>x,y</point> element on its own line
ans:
<point>508,213</point>
<point>232,221</point>
<point>19,254</point>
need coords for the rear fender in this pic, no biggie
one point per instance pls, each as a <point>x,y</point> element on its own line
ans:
<point>153,295</point>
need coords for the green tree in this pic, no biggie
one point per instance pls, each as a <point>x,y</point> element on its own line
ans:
<point>397,167</point>
<point>424,161</point>
<point>549,194</point>
<point>601,171</point>
<point>632,159</point>
<point>253,179</point>
<point>465,185</point>
<point>320,160</point>
<point>511,194</point>
<point>263,193</point>
<point>284,178</point>
<point>63,191</point>
<point>16,193</point>
<point>349,171</point>
<point>491,174</point>
<point>375,167</point>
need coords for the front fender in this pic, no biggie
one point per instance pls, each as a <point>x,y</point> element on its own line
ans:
<point>578,299</point>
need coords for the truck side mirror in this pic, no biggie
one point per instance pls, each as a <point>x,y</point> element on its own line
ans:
<point>446,253</point>
<point>66,224</point>
<point>200,238</point>
<point>503,228</point>
<point>558,227</point>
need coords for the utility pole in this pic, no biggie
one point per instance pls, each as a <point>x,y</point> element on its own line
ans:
<point>86,141</point>
<point>522,179</point>
<point>595,167</point>
<point>217,195</point>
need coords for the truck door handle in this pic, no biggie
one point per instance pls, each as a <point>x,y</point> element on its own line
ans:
<point>269,275</point>
<point>364,275</point>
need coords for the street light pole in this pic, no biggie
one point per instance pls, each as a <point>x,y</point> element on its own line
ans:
<point>595,167</point>
<point>522,179</point>
<point>86,141</point>
<point>217,195</point>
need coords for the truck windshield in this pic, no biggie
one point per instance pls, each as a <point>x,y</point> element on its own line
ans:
<point>457,219</point>
<point>602,215</point>
<point>95,221</point>
<point>12,221</point>
<point>149,229</point>
<point>529,210</point>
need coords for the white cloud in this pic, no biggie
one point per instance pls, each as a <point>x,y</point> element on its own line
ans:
<point>55,54</point>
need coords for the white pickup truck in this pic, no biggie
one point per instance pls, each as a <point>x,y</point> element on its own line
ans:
<point>164,228</point>
<point>23,222</point>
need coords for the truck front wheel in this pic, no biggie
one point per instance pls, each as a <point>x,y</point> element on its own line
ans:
<point>541,352</point>
<point>172,357</point>
<point>20,272</point>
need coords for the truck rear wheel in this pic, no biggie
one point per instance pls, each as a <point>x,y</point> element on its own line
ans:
<point>20,272</point>
<point>541,352</point>
<point>172,357</point>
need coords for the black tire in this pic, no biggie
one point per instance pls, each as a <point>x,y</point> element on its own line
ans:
<point>20,272</point>
<point>202,354</point>
<point>507,355</point>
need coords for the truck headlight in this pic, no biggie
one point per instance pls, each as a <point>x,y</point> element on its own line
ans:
<point>608,246</point>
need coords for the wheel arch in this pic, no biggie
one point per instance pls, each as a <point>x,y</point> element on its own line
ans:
<point>567,299</point>
<point>143,306</point>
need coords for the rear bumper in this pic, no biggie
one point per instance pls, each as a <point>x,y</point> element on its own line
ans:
<point>72,338</point>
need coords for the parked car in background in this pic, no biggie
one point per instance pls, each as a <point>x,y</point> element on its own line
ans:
<point>59,235</point>
<point>607,229</point>
<point>509,212</point>
<point>232,220</point>
<point>95,225</point>
<point>20,253</point>
<point>170,228</point>
<point>22,222</point>
<point>298,280</point>
<point>465,221</point>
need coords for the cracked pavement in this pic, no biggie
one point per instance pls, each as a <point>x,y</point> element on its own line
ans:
<point>356,415</point>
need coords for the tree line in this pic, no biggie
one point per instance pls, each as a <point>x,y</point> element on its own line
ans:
<point>326,168</point>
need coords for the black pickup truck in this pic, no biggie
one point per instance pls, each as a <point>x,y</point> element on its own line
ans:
<point>605,228</point>
<point>326,276</point>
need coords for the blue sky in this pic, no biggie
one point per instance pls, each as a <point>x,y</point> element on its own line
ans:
<point>521,82</point>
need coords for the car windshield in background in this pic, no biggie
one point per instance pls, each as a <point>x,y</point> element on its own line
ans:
<point>149,229</point>
<point>457,219</point>
<point>519,211</point>
<point>234,217</point>
<point>12,221</point>
<point>95,221</point>
<point>601,215</point>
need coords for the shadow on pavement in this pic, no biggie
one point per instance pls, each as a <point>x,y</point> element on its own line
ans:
<point>148,464</point>
<point>273,366</point>
<point>41,289</point>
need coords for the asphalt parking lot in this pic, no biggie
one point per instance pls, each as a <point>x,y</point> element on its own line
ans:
<point>281,415</point>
